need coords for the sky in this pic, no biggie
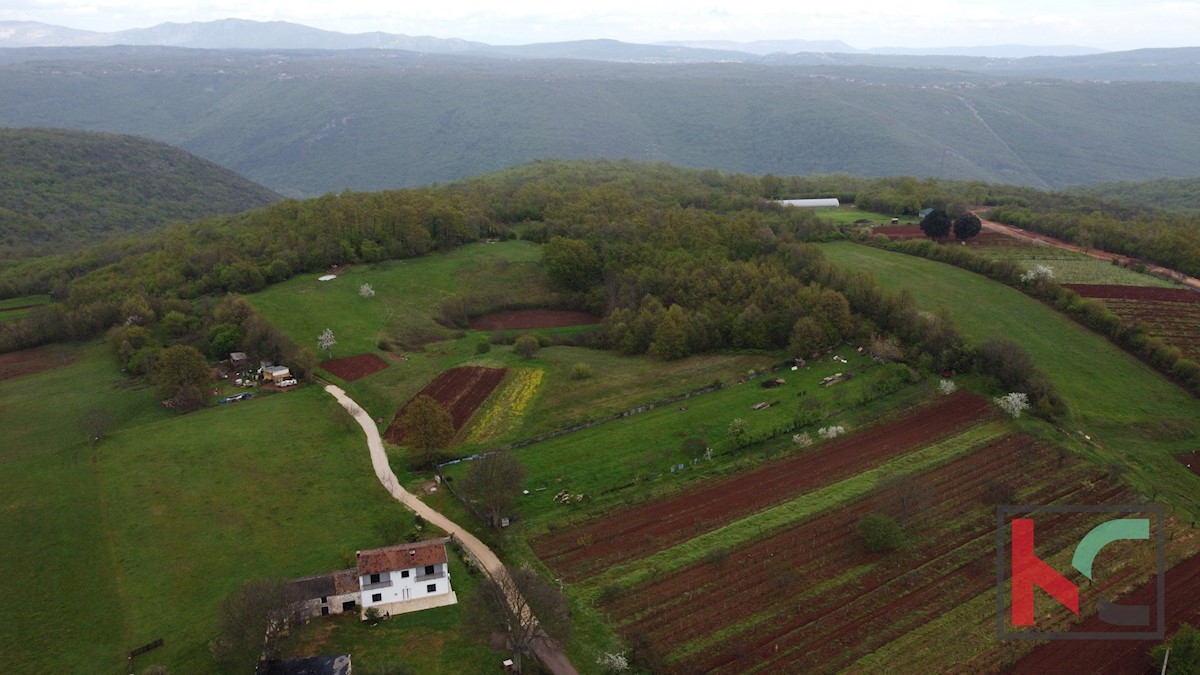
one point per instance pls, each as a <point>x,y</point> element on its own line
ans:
<point>1102,24</point>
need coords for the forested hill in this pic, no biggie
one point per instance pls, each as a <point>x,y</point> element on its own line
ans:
<point>60,189</point>
<point>1181,195</point>
<point>309,122</point>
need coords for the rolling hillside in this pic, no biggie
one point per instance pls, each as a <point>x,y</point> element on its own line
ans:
<point>309,122</point>
<point>64,188</point>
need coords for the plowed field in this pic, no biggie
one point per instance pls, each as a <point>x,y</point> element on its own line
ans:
<point>1172,314</point>
<point>352,368</point>
<point>1122,656</point>
<point>811,599</point>
<point>459,390</point>
<point>581,551</point>
<point>30,361</point>
<point>1135,293</point>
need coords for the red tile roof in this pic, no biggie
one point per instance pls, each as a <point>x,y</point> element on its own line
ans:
<point>401,557</point>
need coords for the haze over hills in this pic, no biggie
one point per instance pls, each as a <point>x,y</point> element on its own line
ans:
<point>305,122</point>
<point>63,188</point>
<point>245,34</point>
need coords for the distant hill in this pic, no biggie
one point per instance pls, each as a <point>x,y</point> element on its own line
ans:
<point>1181,195</point>
<point>59,189</point>
<point>309,122</point>
<point>223,34</point>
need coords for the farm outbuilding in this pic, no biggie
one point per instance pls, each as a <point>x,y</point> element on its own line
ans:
<point>325,594</point>
<point>811,203</point>
<point>273,373</point>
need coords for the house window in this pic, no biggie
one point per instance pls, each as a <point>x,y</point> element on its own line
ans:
<point>404,574</point>
<point>324,599</point>
<point>429,569</point>
<point>374,578</point>
<point>376,597</point>
<point>348,606</point>
<point>431,588</point>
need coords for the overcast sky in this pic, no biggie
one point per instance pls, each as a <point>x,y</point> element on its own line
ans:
<point>1103,24</point>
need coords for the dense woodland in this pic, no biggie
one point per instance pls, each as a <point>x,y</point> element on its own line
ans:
<point>308,122</point>
<point>61,189</point>
<point>679,262</point>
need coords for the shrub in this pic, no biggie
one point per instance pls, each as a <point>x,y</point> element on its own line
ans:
<point>483,347</point>
<point>880,533</point>
<point>527,346</point>
<point>581,371</point>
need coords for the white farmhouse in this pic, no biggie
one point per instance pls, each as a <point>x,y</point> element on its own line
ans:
<point>405,578</point>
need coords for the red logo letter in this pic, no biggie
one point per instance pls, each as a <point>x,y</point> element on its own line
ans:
<point>1028,571</point>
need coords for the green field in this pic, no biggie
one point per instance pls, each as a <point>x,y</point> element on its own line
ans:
<point>9,308</point>
<point>847,215</point>
<point>1135,418</point>
<point>407,300</point>
<point>1073,268</point>
<point>144,535</point>
<point>620,460</point>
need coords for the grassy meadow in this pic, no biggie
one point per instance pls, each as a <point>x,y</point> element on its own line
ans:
<point>408,297</point>
<point>1073,268</point>
<point>142,536</point>
<point>1136,419</point>
<point>631,458</point>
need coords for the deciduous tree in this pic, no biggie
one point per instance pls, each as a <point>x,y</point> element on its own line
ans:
<point>255,622</point>
<point>966,226</point>
<point>521,605</point>
<point>936,224</point>
<point>326,341</point>
<point>493,482</point>
<point>179,367</point>
<point>427,427</point>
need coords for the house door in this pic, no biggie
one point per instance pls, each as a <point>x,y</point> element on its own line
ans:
<point>404,594</point>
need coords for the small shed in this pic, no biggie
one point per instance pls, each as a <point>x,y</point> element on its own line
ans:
<point>811,203</point>
<point>273,373</point>
<point>238,359</point>
<point>923,213</point>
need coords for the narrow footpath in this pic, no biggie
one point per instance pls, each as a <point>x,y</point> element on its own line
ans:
<point>546,650</point>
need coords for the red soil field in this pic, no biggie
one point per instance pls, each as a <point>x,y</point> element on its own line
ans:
<point>907,232</point>
<point>899,232</point>
<point>459,390</point>
<point>352,368</point>
<point>807,631</point>
<point>1191,461</point>
<point>1122,656</point>
<point>533,318</point>
<point>1135,292</point>
<point>658,525</point>
<point>29,362</point>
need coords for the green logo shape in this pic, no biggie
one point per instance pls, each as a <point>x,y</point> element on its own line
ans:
<point>1104,534</point>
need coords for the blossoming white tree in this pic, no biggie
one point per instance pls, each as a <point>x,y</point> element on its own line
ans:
<point>366,291</point>
<point>1014,403</point>
<point>326,341</point>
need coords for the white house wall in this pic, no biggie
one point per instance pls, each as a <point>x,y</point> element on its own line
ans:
<point>393,587</point>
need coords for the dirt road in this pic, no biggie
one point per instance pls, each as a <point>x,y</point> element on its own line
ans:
<point>546,651</point>
<point>1025,235</point>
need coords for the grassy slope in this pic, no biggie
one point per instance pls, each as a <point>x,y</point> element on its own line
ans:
<point>642,448</point>
<point>407,299</point>
<point>145,535</point>
<point>1137,418</point>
